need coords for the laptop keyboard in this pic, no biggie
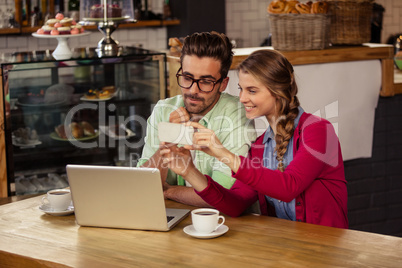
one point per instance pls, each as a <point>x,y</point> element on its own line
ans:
<point>169,218</point>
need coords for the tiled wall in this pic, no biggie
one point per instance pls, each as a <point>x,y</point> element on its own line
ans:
<point>375,184</point>
<point>392,21</point>
<point>247,22</point>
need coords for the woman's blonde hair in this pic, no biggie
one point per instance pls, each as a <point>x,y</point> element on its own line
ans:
<point>273,70</point>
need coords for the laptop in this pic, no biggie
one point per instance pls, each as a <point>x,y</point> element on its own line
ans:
<point>121,197</point>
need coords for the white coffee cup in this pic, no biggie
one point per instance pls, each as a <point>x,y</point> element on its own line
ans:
<point>58,199</point>
<point>206,220</point>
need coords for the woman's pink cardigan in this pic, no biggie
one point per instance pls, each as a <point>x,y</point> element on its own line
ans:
<point>315,177</point>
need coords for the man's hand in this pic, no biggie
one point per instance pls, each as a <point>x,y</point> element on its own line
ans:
<point>179,116</point>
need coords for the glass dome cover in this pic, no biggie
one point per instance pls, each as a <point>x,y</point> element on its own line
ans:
<point>106,10</point>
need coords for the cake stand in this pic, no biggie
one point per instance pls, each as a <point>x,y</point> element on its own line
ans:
<point>107,46</point>
<point>62,51</point>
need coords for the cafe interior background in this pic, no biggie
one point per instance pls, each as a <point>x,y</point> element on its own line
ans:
<point>374,183</point>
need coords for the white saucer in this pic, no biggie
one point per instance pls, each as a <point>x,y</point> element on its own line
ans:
<point>50,211</point>
<point>191,231</point>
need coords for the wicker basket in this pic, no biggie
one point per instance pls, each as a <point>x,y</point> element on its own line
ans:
<point>350,21</point>
<point>299,31</point>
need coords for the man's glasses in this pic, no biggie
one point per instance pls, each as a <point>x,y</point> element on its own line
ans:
<point>204,85</point>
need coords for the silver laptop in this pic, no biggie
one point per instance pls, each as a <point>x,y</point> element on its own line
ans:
<point>120,197</point>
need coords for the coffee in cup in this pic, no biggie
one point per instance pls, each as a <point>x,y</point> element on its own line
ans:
<point>58,199</point>
<point>206,220</point>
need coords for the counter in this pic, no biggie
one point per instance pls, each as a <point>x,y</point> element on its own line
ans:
<point>368,51</point>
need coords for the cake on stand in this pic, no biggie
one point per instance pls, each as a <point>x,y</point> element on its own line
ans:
<point>107,15</point>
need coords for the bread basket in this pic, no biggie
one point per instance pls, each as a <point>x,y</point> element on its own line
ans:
<point>350,21</point>
<point>299,31</point>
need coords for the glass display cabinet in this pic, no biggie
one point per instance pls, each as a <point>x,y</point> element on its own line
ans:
<point>85,110</point>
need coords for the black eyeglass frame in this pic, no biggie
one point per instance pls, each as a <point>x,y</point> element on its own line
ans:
<point>196,81</point>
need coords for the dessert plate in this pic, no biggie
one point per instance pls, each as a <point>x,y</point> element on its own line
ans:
<point>192,232</point>
<point>48,210</point>
<point>30,144</point>
<point>112,95</point>
<point>40,104</point>
<point>112,133</point>
<point>54,136</point>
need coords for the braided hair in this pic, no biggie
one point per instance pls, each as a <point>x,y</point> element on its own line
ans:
<point>272,69</point>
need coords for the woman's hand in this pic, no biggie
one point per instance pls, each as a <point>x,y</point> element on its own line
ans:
<point>205,140</point>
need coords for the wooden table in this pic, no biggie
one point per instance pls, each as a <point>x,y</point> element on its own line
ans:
<point>29,238</point>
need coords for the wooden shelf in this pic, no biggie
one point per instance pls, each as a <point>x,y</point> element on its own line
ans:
<point>139,24</point>
<point>4,31</point>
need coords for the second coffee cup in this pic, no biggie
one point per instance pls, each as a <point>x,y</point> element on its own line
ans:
<point>206,220</point>
<point>58,199</point>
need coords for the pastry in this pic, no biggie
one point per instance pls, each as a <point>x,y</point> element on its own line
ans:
<point>87,128</point>
<point>91,94</point>
<point>59,16</point>
<point>61,26</point>
<point>175,45</point>
<point>277,7</point>
<point>52,22</point>
<point>113,11</point>
<point>61,131</point>
<point>290,7</point>
<point>64,30</point>
<point>74,31</point>
<point>78,27</point>
<point>66,22</point>
<point>303,8</point>
<point>320,7</point>
<point>111,89</point>
<point>47,29</point>
<point>104,94</point>
<point>76,130</point>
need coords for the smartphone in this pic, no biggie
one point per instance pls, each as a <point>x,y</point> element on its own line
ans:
<point>175,133</point>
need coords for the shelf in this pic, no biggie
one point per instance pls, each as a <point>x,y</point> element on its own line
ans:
<point>139,24</point>
<point>4,31</point>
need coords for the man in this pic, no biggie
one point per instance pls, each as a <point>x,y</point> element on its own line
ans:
<point>205,63</point>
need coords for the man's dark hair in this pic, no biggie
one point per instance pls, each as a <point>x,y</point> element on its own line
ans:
<point>209,44</point>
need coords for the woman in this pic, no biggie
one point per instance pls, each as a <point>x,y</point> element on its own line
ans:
<point>295,169</point>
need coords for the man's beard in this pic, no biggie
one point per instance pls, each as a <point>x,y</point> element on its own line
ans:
<point>195,109</point>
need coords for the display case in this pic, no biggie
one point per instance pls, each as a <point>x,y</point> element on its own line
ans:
<point>85,110</point>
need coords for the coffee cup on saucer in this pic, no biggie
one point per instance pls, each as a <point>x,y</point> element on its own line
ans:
<point>58,199</point>
<point>206,220</point>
